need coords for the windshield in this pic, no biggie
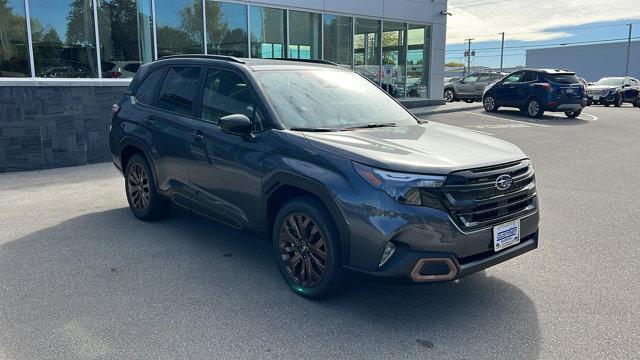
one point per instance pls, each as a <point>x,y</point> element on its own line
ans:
<point>330,99</point>
<point>610,82</point>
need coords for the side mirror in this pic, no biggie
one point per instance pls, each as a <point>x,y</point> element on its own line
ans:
<point>236,124</point>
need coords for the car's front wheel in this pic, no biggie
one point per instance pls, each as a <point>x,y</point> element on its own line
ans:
<point>489,103</point>
<point>573,114</point>
<point>142,195</point>
<point>306,246</point>
<point>534,109</point>
<point>449,95</point>
<point>618,102</point>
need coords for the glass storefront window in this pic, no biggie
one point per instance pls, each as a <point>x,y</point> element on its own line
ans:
<point>305,31</point>
<point>227,29</point>
<point>179,27</point>
<point>64,42</point>
<point>418,62</point>
<point>268,32</point>
<point>338,35</point>
<point>14,51</point>
<point>367,48</point>
<point>394,57</point>
<point>126,39</point>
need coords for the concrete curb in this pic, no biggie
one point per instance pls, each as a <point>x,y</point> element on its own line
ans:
<point>446,111</point>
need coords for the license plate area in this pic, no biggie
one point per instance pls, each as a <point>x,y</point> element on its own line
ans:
<point>506,235</point>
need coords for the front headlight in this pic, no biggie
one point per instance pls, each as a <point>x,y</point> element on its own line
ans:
<point>403,188</point>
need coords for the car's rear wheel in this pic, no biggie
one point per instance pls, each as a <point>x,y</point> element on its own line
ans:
<point>489,103</point>
<point>142,195</point>
<point>534,109</point>
<point>449,95</point>
<point>619,101</point>
<point>306,246</point>
<point>573,114</point>
<point>637,103</point>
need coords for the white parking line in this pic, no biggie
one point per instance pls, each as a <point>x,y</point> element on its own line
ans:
<point>500,118</point>
<point>466,128</point>
<point>593,117</point>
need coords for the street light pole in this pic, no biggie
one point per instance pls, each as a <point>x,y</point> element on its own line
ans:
<point>626,72</point>
<point>502,53</point>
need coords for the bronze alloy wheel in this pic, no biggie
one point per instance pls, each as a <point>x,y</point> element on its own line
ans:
<point>303,249</point>
<point>138,186</point>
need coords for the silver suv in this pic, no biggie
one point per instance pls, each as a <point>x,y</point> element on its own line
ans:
<point>470,88</point>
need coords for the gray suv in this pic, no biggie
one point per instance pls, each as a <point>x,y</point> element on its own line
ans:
<point>470,88</point>
<point>324,165</point>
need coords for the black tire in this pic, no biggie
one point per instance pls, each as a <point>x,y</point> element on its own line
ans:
<point>573,114</point>
<point>589,103</point>
<point>534,109</point>
<point>619,101</point>
<point>142,195</point>
<point>309,248</point>
<point>489,103</point>
<point>637,103</point>
<point>450,95</point>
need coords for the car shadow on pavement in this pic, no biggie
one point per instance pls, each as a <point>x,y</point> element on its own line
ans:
<point>104,285</point>
<point>550,119</point>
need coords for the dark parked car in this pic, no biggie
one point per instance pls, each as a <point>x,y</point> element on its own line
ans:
<point>326,166</point>
<point>614,91</point>
<point>536,91</point>
<point>470,88</point>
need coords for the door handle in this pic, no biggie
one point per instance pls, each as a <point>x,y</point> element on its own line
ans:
<point>148,120</point>
<point>197,135</point>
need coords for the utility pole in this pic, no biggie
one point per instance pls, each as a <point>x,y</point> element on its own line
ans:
<point>626,72</point>
<point>502,53</point>
<point>469,57</point>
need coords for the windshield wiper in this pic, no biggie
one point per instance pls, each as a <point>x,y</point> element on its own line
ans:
<point>371,126</point>
<point>310,129</point>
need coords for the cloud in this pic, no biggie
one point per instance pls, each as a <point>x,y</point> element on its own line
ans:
<point>529,20</point>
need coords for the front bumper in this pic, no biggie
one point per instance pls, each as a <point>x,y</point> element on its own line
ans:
<point>411,267</point>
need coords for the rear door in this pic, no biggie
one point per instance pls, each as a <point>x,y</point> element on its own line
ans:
<point>480,85</point>
<point>525,87</point>
<point>225,170</point>
<point>170,122</point>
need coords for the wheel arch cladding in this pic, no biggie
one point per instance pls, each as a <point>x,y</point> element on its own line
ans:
<point>284,187</point>
<point>129,147</point>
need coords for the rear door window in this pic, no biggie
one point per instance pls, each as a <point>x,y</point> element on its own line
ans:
<point>179,89</point>
<point>484,78</point>
<point>529,76</point>
<point>147,90</point>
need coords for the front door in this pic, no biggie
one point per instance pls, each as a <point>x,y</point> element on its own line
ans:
<point>467,85</point>
<point>507,92</point>
<point>225,170</point>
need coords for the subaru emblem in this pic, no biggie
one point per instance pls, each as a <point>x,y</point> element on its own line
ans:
<point>503,182</point>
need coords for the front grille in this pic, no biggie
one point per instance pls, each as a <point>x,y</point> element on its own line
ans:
<point>473,200</point>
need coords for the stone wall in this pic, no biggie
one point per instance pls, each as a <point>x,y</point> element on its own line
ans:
<point>43,127</point>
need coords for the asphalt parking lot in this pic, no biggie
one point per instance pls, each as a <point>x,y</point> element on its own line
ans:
<point>81,278</point>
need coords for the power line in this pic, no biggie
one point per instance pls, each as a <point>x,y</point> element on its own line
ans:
<point>550,30</point>
<point>553,44</point>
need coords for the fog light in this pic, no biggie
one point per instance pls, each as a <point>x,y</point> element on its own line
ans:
<point>388,251</point>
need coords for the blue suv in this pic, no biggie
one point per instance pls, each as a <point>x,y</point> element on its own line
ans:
<point>536,91</point>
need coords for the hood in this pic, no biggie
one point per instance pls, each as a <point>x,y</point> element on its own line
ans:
<point>426,149</point>
<point>602,87</point>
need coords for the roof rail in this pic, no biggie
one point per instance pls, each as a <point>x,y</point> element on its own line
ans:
<point>314,61</point>
<point>203,56</point>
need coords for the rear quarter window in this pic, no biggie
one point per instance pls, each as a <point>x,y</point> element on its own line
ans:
<point>146,90</point>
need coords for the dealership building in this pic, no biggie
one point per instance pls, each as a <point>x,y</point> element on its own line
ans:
<point>590,61</point>
<point>63,63</point>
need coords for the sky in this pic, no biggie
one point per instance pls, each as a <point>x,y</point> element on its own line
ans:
<point>534,23</point>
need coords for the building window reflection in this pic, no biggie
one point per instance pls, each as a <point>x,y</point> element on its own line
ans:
<point>268,32</point>
<point>64,42</point>
<point>367,48</point>
<point>14,51</point>
<point>227,29</point>
<point>179,27</point>
<point>418,61</point>
<point>305,31</point>
<point>126,36</point>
